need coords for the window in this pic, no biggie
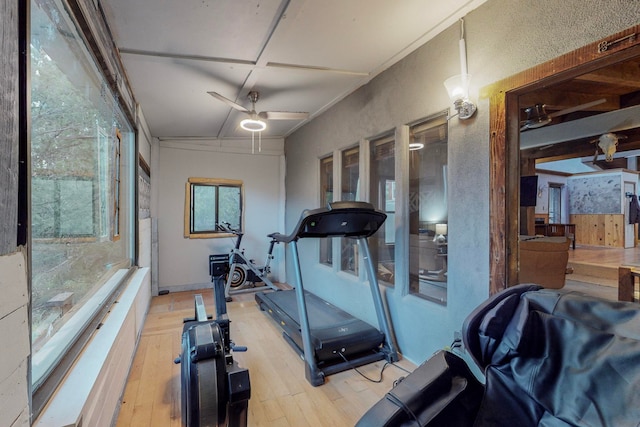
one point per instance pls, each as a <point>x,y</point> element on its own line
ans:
<point>144,189</point>
<point>428,217</point>
<point>350,186</point>
<point>209,202</point>
<point>555,203</point>
<point>81,190</point>
<point>326,197</point>
<point>382,195</point>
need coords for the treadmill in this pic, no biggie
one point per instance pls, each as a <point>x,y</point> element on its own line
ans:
<point>327,338</point>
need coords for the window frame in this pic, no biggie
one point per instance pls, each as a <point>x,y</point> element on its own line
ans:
<point>325,246</point>
<point>189,233</point>
<point>115,230</point>
<point>349,251</point>
<point>378,197</point>
<point>428,132</point>
<point>555,197</point>
<point>46,374</point>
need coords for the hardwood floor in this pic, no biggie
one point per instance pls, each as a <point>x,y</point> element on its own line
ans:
<point>599,265</point>
<point>280,395</point>
<point>606,256</point>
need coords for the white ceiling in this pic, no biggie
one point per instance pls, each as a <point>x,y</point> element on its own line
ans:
<point>301,55</point>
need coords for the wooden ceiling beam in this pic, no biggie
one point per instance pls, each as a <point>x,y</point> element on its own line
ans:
<point>580,147</point>
<point>624,74</point>
<point>559,100</point>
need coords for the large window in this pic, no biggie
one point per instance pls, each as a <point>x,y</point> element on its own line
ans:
<point>428,217</point>
<point>209,203</point>
<point>81,192</point>
<point>350,191</point>
<point>326,197</point>
<point>382,195</point>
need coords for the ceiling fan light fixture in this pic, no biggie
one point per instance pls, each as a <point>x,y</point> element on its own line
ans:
<point>253,125</point>
<point>536,117</point>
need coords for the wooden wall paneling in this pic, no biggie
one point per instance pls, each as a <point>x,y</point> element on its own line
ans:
<point>614,226</point>
<point>599,229</point>
<point>609,230</point>
<point>497,194</point>
<point>9,119</point>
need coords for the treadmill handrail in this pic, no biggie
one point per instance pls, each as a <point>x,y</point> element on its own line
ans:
<point>338,219</point>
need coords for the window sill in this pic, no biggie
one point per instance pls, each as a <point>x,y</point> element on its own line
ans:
<point>90,393</point>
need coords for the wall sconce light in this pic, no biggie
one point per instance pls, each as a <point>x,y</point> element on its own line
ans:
<point>458,89</point>
<point>458,86</point>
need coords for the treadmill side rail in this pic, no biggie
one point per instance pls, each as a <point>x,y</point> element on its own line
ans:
<point>383,319</point>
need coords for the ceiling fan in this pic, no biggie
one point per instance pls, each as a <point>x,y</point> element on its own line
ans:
<point>256,121</point>
<point>538,117</point>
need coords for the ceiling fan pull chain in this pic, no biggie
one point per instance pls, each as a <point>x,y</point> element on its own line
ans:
<point>604,45</point>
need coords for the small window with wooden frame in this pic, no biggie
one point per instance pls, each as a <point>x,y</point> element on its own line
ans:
<point>210,202</point>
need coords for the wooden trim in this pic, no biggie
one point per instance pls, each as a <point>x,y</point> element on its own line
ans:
<point>626,283</point>
<point>504,143</point>
<point>215,181</point>
<point>9,125</point>
<point>144,165</point>
<point>187,205</point>
<point>187,208</point>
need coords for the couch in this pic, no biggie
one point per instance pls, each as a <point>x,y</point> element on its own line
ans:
<point>543,260</point>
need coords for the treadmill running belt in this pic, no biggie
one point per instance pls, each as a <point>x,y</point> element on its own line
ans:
<point>333,330</point>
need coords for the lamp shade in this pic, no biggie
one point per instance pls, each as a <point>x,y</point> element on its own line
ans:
<point>441,229</point>
<point>458,87</point>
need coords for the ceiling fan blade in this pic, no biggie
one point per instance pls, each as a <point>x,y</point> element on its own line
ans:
<point>229,102</point>
<point>577,108</point>
<point>283,115</point>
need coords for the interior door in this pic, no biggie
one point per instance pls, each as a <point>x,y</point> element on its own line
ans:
<point>629,229</point>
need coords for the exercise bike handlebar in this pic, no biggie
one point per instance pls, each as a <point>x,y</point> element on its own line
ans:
<point>226,227</point>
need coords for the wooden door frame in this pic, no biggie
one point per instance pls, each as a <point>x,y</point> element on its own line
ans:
<point>504,150</point>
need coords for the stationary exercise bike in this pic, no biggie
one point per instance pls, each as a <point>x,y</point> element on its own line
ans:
<point>243,272</point>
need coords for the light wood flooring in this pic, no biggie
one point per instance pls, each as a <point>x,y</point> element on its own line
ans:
<point>280,395</point>
<point>605,256</point>
<point>599,265</point>
<point>596,269</point>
